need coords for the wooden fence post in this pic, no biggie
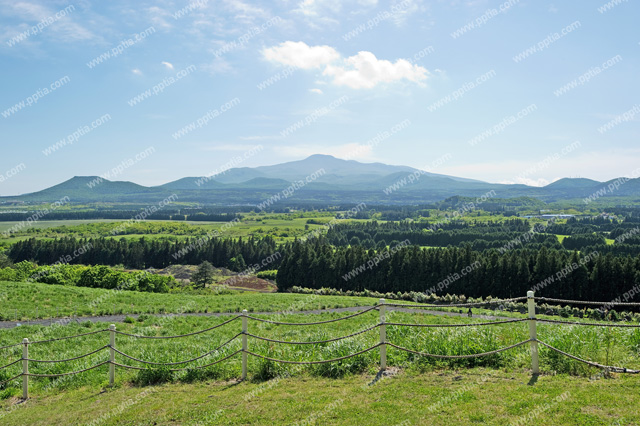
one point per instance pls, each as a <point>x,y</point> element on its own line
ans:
<point>244,344</point>
<point>25,368</point>
<point>112,354</point>
<point>383,337</point>
<point>533,335</point>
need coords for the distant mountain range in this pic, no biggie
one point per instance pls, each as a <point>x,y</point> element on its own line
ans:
<point>322,179</point>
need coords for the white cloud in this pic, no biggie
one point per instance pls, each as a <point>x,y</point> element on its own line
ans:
<point>62,29</point>
<point>167,64</point>
<point>404,9</point>
<point>217,66</point>
<point>159,17</point>
<point>136,71</point>
<point>361,71</point>
<point>529,182</point>
<point>300,55</point>
<point>317,11</point>
<point>364,71</point>
<point>244,12</point>
<point>597,165</point>
<point>318,91</point>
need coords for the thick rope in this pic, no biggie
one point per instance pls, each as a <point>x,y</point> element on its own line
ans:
<point>314,323</point>
<point>460,356</point>
<point>180,335</point>
<point>69,359</point>
<point>580,302</point>
<point>10,346</point>
<point>458,305</point>
<point>68,374</point>
<point>68,337</point>
<point>131,367</point>
<point>180,362</point>
<point>591,363</point>
<point>596,324</point>
<point>210,364</point>
<point>315,362</point>
<point>9,365</point>
<point>11,379</point>
<point>315,342</point>
<point>459,325</point>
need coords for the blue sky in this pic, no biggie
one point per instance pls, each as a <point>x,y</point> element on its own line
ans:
<point>504,91</point>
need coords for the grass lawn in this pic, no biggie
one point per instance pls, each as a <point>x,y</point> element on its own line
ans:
<point>37,300</point>
<point>488,390</point>
<point>441,397</point>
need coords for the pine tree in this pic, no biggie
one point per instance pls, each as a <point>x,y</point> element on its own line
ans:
<point>203,276</point>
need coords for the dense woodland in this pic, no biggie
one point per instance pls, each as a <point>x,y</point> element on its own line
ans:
<point>603,277</point>
<point>146,253</point>
<point>582,234</point>
<point>364,255</point>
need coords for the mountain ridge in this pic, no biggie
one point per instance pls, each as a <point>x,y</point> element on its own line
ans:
<point>322,177</point>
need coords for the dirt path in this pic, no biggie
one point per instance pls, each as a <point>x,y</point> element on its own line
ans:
<point>120,318</point>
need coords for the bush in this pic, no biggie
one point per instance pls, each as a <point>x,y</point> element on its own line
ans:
<point>268,370</point>
<point>4,375</point>
<point>129,320</point>
<point>268,275</point>
<point>209,373</point>
<point>8,393</point>
<point>154,376</point>
<point>337,369</point>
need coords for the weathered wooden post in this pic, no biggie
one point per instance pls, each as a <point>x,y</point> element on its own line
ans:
<point>244,344</point>
<point>383,336</point>
<point>533,335</point>
<point>25,368</point>
<point>112,354</point>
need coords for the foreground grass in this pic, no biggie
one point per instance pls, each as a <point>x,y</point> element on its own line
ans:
<point>488,390</point>
<point>27,301</point>
<point>474,396</point>
<point>619,347</point>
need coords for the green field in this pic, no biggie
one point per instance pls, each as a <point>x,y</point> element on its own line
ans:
<point>485,390</point>
<point>28,301</point>
<point>282,227</point>
<point>467,397</point>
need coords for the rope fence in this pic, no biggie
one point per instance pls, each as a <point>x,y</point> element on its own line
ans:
<point>496,351</point>
<point>580,302</point>
<point>382,344</point>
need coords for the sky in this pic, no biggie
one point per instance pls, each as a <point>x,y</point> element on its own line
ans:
<point>511,91</point>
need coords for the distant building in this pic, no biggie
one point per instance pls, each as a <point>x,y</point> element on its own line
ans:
<point>549,216</point>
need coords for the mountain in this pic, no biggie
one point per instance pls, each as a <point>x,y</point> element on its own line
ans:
<point>323,179</point>
<point>573,183</point>
<point>83,188</point>
<point>335,168</point>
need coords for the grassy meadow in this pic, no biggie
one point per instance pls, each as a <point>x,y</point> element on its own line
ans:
<point>28,301</point>
<point>462,397</point>
<point>495,389</point>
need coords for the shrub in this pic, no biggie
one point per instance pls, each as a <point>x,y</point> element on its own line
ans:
<point>338,369</point>
<point>129,320</point>
<point>4,375</point>
<point>8,393</point>
<point>154,375</point>
<point>209,373</point>
<point>268,370</point>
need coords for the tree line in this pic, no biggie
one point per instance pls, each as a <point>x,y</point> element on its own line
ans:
<point>553,273</point>
<point>142,253</point>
